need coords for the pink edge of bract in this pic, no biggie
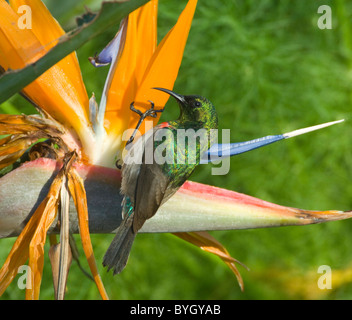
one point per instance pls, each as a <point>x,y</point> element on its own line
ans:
<point>209,192</point>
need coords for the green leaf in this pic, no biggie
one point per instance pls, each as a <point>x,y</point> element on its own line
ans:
<point>111,13</point>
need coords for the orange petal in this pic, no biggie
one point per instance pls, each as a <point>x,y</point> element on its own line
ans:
<point>19,252</point>
<point>49,213</point>
<point>163,68</point>
<point>44,26</point>
<point>123,85</point>
<point>60,90</point>
<point>18,47</point>
<point>12,144</point>
<point>24,131</point>
<point>78,193</point>
<point>36,246</point>
<point>146,37</point>
<point>13,147</point>
<point>206,242</point>
<point>139,47</point>
<point>48,31</point>
<point>16,124</point>
<point>30,243</point>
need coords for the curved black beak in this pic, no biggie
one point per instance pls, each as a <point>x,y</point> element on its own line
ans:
<point>177,96</point>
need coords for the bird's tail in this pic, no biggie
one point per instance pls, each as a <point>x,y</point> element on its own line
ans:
<point>119,250</point>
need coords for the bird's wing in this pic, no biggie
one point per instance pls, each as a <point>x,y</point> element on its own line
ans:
<point>150,191</point>
<point>152,183</point>
<point>131,164</point>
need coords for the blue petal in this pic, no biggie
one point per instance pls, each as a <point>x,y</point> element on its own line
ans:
<point>230,149</point>
<point>112,50</point>
<point>217,151</point>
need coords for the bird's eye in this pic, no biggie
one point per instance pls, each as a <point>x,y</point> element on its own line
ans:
<point>197,104</point>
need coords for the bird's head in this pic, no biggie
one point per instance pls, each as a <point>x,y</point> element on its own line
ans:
<point>195,109</point>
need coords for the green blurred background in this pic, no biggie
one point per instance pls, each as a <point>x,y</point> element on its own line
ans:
<point>269,69</point>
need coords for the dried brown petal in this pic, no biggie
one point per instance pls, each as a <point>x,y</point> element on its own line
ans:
<point>208,243</point>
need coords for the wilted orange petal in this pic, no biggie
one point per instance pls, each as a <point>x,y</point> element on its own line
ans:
<point>13,119</point>
<point>78,194</point>
<point>13,147</point>
<point>19,252</point>
<point>14,124</point>
<point>24,131</point>
<point>206,242</point>
<point>48,210</point>
<point>163,68</point>
<point>30,244</point>
<point>36,246</point>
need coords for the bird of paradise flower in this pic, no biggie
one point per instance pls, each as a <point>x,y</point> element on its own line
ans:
<point>80,135</point>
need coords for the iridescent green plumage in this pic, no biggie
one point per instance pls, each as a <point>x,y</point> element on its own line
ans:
<point>198,123</point>
<point>157,165</point>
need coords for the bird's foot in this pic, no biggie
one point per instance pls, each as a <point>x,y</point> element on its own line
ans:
<point>151,112</point>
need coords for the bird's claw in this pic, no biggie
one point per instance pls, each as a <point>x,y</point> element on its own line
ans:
<point>151,112</point>
<point>118,164</point>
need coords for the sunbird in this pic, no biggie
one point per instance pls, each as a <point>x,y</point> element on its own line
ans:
<point>147,182</point>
